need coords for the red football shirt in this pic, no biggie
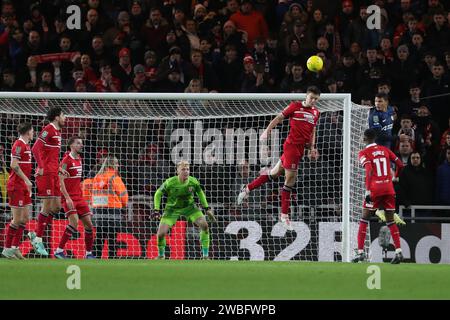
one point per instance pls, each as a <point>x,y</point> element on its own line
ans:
<point>51,137</point>
<point>302,121</point>
<point>22,152</point>
<point>379,158</point>
<point>74,167</point>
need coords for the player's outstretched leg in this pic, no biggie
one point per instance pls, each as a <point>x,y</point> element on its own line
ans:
<point>258,182</point>
<point>395,233</point>
<point>17,238</point>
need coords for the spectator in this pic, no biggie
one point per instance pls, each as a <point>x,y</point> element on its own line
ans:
<point>107,82</point>
<point>124,71</point>
<point>190,30</point>
<point>198,68</point>
<point>438,86</point>
<point>173,60</point>
<point>412,104</point>
<point>154,31</point>
<point>230,69</point>
<point>370,72</point>
<point>404,151</point>
<point>444,147</point>
<point>98,52</point>
<point>438,34</point>
<point>88,72</point>
<point>347,72</point>
<point>233,37</point>
<point>417,48</point>
<point>9,81</point>
<point>250,21</point>
<point>444,135</point>
<point>253,77</point>
<point>402,73</point>
<point>381,119</point>
<point>374,36</point>
<point>172,83</point>
<point>356,31</point>
<point>429,130</point>
<point>294,81</point>
<point>407,133</point>
<point>415,183</point>
<point>93,26</point>
<point>109,199</point>
<point>140,83</point>
<point>443,180</point>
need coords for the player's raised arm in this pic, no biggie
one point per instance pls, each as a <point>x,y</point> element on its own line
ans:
<point>275,121</point>
<point>398,163</point>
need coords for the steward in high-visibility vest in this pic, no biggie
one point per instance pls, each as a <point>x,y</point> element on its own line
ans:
<point>109,198</point>
<point>108,189</point>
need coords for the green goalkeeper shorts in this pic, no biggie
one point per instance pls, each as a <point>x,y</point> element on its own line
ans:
<point>191,214</point>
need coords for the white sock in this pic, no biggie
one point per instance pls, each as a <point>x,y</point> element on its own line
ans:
<point>360,251</point>
<point>398,250</point>
<point>13,247</point>
<point>88,252</point>
<point>38,239</point>
<point>58,250</point>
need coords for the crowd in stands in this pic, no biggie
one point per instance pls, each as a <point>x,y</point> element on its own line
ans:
<point>252,46</point>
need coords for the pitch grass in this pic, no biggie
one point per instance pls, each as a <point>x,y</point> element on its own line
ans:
<point>235,280</point>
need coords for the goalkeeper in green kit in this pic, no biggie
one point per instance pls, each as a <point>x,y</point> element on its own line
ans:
<point>180,192</point>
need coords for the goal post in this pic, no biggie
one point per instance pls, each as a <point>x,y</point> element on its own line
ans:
<point>218,134</point>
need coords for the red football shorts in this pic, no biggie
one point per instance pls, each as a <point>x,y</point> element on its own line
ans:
<point>48,186</point>
<point>292,154</point>
<point>19,197</point>
<point>80,207</point>
<point>386,202</point>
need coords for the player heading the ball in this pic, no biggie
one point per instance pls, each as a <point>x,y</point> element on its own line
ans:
<point>46,152</point>
<point>19,190</point>
<point>380,193</point>
<point>303,118</point>
<point>180,191</point>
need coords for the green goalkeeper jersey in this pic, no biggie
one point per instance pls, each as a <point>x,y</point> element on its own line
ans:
<point>180,195</point>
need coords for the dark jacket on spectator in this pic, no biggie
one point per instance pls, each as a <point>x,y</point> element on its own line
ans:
<point>443,183</point>
<point>229,73</point>
<point>416,186</point>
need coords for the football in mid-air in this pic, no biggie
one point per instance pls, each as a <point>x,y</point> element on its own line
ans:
<point>314,63</point>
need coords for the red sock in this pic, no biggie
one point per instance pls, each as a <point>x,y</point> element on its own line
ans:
<point>362,231</point>
<point>286,199</point>
<point>88,239</point>
<point>66,236</point>
<point>258,182</point>
<point>42,223</point>
<point>18,236</point>
<point>12,230</point>
<point>395,233</point>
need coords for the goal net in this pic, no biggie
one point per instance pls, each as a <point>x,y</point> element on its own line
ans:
<point>219,135</point>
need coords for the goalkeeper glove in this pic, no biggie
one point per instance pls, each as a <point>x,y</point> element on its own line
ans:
<point>210,214</point>
<point>156,215</point>
<point>381,215</point>
<point>398,220</point>
<point>367,196</point>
